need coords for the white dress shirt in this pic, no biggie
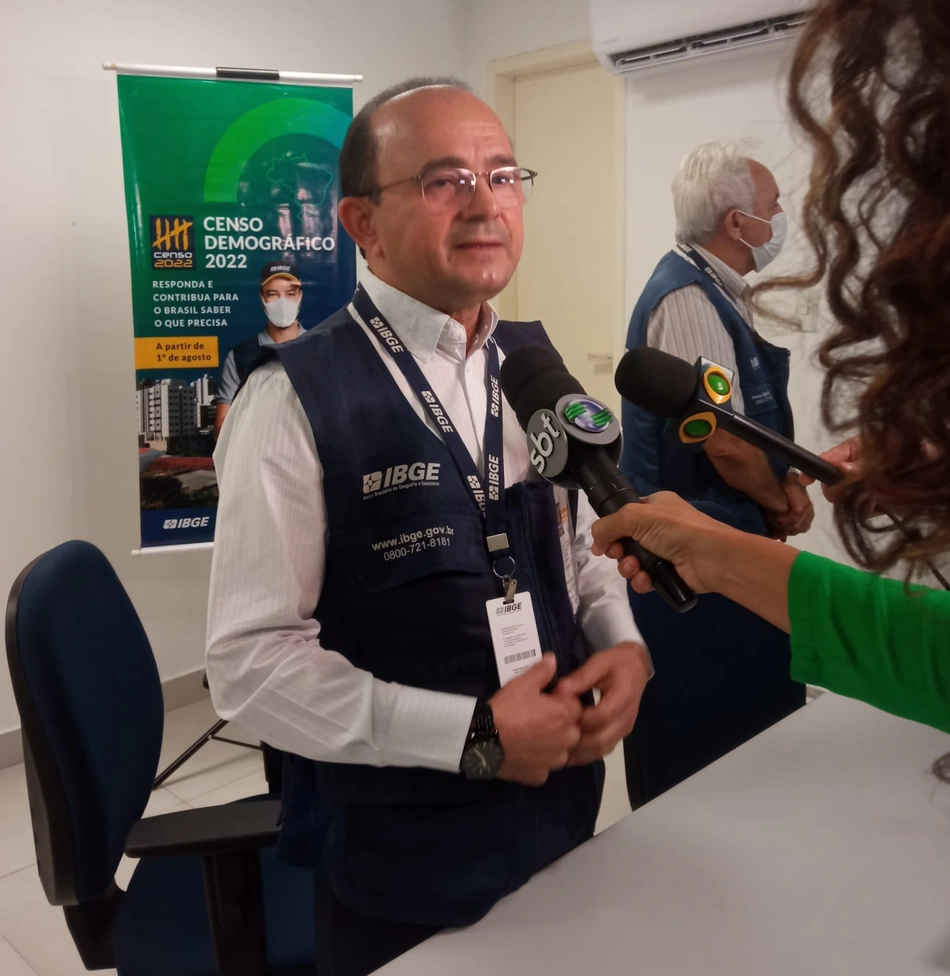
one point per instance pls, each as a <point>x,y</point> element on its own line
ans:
<point>265,663</point>
<point>686,324</point>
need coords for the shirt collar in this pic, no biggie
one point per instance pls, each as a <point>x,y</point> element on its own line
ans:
<point>423,329</point>
<point>736,285</point>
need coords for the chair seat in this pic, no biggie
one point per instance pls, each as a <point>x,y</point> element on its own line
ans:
<point>163,929</point>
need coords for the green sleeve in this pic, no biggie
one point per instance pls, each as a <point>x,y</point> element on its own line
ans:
<point>866,637</point>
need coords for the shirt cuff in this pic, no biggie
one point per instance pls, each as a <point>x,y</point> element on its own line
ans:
<point>605,626</point>
<point>427,728</point>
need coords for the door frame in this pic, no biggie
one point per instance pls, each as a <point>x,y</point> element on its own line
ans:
<point>501,96</point>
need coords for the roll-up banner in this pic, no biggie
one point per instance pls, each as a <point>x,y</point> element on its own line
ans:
<point>231,187</point>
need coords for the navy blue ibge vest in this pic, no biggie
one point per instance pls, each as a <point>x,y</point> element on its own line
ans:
<point>722,674</point>
<point>654,461</point>
<point>406,582</point>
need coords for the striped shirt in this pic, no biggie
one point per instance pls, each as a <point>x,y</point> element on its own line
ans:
<point>687,325</point>
<point>265,662</point>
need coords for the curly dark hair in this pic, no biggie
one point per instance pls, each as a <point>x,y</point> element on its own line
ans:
<point>870,87</point>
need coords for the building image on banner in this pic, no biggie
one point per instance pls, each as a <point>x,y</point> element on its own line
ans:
<point>231,192</point>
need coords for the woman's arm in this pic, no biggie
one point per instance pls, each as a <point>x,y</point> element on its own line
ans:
<point>709,555</point>
<point>852,632</point>
<point>866,637</point>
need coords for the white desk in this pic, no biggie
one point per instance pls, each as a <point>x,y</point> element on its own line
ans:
<point>820,848</point>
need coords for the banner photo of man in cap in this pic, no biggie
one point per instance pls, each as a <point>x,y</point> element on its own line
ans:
<point>281,295</point>
<point>231,192</point>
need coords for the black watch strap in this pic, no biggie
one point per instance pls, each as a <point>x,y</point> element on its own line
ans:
<point>483,755</point>
<point>482,727</point>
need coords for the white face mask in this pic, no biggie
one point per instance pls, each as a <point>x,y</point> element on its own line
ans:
<point>766,253</point>
<point>282,312</point>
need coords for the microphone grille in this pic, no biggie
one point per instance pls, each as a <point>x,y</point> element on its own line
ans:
<point>656,381</point>
<point>534,377</point>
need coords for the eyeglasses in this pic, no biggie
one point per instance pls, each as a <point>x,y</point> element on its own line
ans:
<point>451,187</point>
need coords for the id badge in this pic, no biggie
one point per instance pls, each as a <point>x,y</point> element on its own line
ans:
<point>514,636</point>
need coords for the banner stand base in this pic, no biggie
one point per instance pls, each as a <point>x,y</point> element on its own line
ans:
<point>184,547</point>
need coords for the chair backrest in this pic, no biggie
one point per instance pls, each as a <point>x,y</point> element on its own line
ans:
<point>90,703</point>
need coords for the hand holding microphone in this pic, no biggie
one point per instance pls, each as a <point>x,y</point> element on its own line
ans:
<point>711,557</point>
<point>846,457</point>
<point>697,399</point>
<point>575,442</point>
<point>671,528</point>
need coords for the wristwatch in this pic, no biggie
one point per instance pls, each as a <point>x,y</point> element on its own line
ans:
<point>483,755</point>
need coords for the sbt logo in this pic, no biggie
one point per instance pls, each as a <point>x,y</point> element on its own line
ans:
<point>400,474</point>
<point>196,522</point>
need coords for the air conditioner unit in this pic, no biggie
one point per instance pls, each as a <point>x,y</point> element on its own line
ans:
<point>631,34</point>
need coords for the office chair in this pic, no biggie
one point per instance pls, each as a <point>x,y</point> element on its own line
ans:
<point>273,758</point>
<point>208,897</point>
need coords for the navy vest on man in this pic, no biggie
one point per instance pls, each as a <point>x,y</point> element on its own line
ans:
<point>722,673</point>
<point>653,460</point>
<point>406,581</point>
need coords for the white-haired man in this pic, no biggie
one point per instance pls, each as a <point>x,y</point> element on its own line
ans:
<point>727,674</point>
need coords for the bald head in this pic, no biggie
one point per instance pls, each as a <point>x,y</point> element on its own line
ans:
<point>450,248</point>
<point>764,188</point>
<point>359,150</point>
<point>408,131</point>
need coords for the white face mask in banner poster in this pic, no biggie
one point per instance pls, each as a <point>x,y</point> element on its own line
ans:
<point>282,312</point>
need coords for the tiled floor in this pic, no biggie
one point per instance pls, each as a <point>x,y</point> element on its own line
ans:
<point>33,936</point>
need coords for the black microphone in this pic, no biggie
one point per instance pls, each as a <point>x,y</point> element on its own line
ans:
<point>575,442</point>
<point>698,399</point>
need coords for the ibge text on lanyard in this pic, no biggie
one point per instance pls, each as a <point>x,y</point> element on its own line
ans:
<point>490,503</point>
<point>700,262</point>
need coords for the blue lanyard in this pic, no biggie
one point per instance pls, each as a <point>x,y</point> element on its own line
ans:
<point>490,503</point>
<point>701,263</point>
<point>704,265</point>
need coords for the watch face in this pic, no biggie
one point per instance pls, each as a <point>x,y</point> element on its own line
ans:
<point>483,760</point>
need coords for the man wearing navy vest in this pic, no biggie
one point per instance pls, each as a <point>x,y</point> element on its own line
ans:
<point>281,295</point>
<point>722,671</point>
<point>383,554</point>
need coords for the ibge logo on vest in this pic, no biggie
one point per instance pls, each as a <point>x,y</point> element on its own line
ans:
<point>419,474</point>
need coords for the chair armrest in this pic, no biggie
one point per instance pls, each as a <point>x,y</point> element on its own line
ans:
<point>209,830</point>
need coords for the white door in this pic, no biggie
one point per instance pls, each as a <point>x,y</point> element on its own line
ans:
<point>567,125</point>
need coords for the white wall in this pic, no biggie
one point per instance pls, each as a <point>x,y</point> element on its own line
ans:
<point>669,111</point>
<point>67,440</point>
<point>67,430</point>
<point>503,28</point>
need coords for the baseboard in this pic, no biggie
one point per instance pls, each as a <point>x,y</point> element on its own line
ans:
<point>183,690</point>
<point>11,748</point>
<point>177,692</point>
